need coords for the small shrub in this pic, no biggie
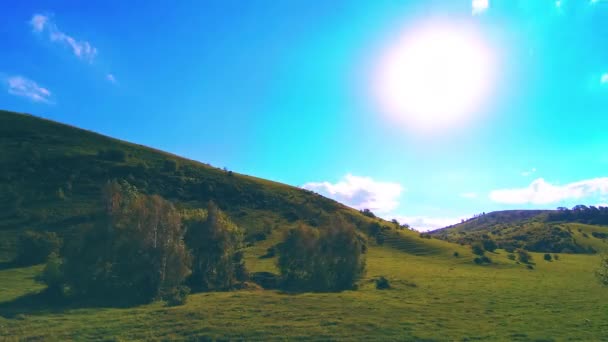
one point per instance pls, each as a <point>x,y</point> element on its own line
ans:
<point>489,245</point>
<point>477,248</point>
<point>382,283</point>
<point>52,276</point>
<point>523,256</point>
<point>482,260</point>
<point>456,254</point>
<point>511,256</point>
<point>530,267</point>
<point>547,257</point>
<point>368,213</point>
<point>555,257</point>
<point>177,295</point>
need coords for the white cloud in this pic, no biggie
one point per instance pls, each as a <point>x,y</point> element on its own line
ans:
<point>360,192</point>
<point>111,78</point>
<point>528,172</point>
<point>479,6</point>
<point>542,192</point>
<point>469,195</point>
<point>21,86</point>
<point>424,223</point>
<point>604,78</point>
<point>82,49</point>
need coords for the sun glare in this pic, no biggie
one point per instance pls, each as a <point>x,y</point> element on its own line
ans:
<point>435,76</point>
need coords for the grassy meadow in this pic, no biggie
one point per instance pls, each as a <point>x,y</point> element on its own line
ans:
<point>435,297</point>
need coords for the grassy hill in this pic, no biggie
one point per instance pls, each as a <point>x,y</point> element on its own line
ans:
<point>534,230</point>
<point>50,176</point>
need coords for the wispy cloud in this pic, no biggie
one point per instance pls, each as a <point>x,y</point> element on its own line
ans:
<point>111,78</point>
<point>542,192</point>
<point>604,78</point>
<point>360,192</point>
<point>479,6</point>
<point>528,172</point>
<point>424,223</point>
<point>469,195</point>
<point>81,48</point>
<point>24,87</point>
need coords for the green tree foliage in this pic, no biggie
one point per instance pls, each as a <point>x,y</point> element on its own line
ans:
<point>327,259</point>
<point>602,272</point>
<point>547,257</point>
<point>477,248</point>
<point>523,255</point>
<point>136,254</point>
<point>215,243</point>
<point>489,245</point>
<point>35,247</point>
<point>52,275</point>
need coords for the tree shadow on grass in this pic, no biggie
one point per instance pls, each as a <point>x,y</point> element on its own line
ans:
<point>5,265</point>
<point>42,302</point>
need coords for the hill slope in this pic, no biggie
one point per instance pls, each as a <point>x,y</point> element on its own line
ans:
<point>565,231</point>
<point>51,176</point>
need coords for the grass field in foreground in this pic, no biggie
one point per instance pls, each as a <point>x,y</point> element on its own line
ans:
<point>435,297</point>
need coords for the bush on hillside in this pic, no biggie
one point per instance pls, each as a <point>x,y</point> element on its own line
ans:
<point>523,256</point>
<point>482,260</point>
<point>215,244</point>
<point>368,213</point>
<point>547,257</point>
<point>477,248</point>
<point>35,247</point>
<point>52,276</point>
<point>135,254</point>
<point>382,283</point>
<point>327,259</point>
<point>489,245</point>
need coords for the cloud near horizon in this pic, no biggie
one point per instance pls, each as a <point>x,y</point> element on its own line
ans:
<point>360,192</point>
<point>81,49</point>
<point>543,192</point>
<point>24,87</point>
<point>425,223</point>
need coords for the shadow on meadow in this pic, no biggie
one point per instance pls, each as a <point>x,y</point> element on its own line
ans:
<point>38,303</point>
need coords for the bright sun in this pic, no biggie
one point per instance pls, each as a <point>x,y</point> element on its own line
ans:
<point>435,76</point>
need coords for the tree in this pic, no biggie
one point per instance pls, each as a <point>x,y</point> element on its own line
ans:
<point>477,248</point>
<point>489,245</point>
<point>547,257</point>
<point>52,276</point>
<point>523,255</point>
<point>136,254</point>
<point>215,243</point>
<point>328,259</point>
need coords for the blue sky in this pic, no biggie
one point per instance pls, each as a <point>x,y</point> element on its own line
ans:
<point>289,91</point>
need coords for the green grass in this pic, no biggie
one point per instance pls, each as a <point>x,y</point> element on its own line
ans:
<point>434,297</point>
